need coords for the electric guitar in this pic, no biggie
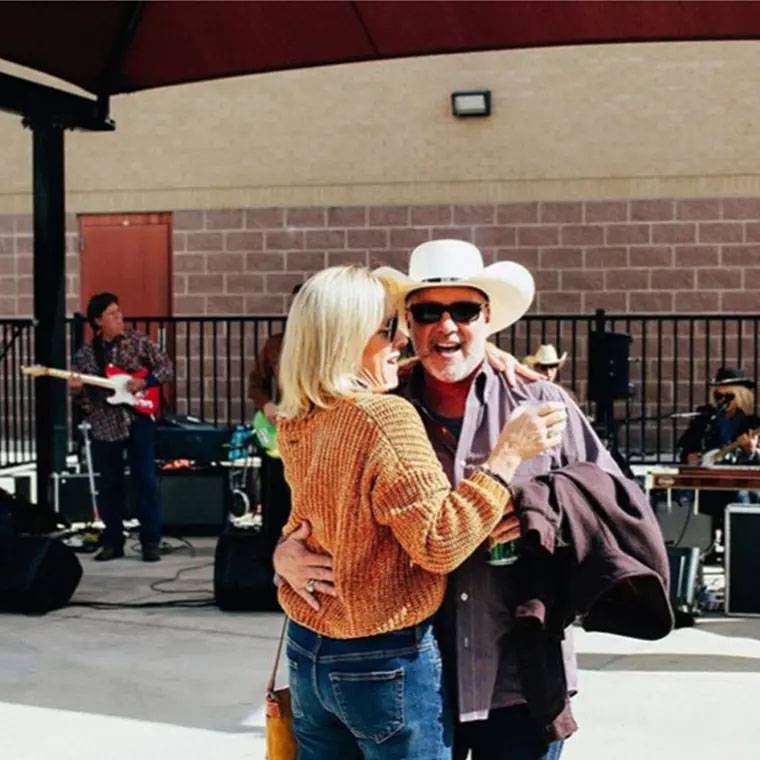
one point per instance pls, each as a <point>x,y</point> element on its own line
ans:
<point>266,433</point>
<point>146,401</point>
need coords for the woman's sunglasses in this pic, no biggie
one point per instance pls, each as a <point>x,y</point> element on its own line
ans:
<point>719,397</point>
<point>462,312</point>
<point>389,329</point>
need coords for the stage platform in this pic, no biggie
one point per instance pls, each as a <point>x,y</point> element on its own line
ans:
<point>87,684</point>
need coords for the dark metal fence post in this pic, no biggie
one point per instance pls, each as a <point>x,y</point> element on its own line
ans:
<point>77,331</point>
<point>603,409</point>
<point>49,300</point>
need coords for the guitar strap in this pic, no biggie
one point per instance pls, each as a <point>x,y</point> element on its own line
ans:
<point>100,354</point>
<point>104,353</point>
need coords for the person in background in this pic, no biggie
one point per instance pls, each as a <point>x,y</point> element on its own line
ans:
<point>365,671</point>
<point>723,421</point>
<point>119,430</point>
<point>546,362</point>
<point>262,380</point>
<point>729,421</point>
<point>263,391</point>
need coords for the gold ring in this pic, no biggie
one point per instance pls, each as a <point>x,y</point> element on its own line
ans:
<point>310,585</point>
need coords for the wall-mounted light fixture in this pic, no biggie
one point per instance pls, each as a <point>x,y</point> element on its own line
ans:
<point>471,103</point>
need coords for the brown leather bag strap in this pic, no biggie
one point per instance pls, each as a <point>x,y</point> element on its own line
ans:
<point>271,681</point>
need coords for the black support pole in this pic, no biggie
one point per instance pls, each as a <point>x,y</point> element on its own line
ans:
<point>49,300</point>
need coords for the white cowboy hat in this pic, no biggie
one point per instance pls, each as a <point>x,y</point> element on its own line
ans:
<point>546,356</point>
<point>455,263</point>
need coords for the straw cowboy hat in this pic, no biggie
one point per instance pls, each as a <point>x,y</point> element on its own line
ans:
<point>456,263</point>
<point>546,356</point>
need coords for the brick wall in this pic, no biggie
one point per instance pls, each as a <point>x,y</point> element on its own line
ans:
<point>16,269</point>
<point>662,256</point>
<point>659,255</point>
<point>648,255</point>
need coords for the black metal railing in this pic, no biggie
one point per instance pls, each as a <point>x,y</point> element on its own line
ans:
<point>16,392</point>
<point>671,359</point>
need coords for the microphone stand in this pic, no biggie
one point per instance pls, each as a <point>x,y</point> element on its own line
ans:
<point>85,428</point>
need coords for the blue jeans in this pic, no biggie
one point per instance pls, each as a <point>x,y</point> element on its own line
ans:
<point>108,460</point>
<point>379,697</point>
<point>509,733</point>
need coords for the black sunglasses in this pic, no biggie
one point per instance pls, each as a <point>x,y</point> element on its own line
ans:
<point>389,329</point>
<point>718,396</point>
<point>430,312</point>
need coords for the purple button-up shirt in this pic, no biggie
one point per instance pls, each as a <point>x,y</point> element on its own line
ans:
<point>476,620</point>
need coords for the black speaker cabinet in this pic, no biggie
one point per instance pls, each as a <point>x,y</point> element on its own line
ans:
<point>243,572</point>
<point>608,371</point>
<point>192,500</point>
<point>199,441</point>
<point>71,496</point>
<point>37,574</point>
<point>742,559</point>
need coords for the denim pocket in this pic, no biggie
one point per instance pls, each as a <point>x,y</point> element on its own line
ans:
<point>293,683</point>
<point>370,704</point>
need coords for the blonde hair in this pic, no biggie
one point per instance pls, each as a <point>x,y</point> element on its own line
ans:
<point>744,397</point>
<point>329,324</point>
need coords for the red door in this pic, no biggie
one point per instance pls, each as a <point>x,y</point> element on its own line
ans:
<point>130,255</point>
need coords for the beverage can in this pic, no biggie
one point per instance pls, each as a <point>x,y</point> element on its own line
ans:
<point>502,554</point>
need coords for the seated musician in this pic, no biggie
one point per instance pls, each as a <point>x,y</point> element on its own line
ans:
<point>722,422</point>
<point>723,434</point>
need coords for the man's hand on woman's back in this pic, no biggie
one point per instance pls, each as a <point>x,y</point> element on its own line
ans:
<point>302,569</point>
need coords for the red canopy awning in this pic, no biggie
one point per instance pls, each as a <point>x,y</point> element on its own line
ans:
<point>115,47</point>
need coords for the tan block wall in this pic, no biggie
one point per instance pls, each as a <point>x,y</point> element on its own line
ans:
<point>617,121</point>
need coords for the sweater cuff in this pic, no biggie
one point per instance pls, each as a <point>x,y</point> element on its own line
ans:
<point>492,484</point>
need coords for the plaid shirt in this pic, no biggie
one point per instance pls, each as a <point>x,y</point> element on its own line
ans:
<point>130,351</point>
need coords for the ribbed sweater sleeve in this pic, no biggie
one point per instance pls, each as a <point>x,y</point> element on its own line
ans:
<point>438,528</point>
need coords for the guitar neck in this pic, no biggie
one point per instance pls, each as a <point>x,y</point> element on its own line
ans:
<point>100,382</point>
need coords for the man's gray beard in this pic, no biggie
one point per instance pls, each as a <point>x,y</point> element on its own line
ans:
<point>454,374</point>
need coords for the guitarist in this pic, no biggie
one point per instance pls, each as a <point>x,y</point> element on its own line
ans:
<point>262,391</point>
<point>728,419</point>
<point>118,430</point>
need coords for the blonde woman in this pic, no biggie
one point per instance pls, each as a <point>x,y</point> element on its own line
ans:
<point>365,670</point>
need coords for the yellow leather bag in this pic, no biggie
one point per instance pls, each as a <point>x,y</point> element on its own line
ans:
<point>281,741</point>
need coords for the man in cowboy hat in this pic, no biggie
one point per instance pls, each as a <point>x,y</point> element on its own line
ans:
<point>546,362</point>
<point>452,304</point>
<point>723,421</point>
<point>728,420</point>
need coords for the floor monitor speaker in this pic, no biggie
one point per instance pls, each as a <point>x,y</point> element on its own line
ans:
<point>37,574</point>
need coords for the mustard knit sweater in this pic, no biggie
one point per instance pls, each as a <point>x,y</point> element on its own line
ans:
<point>364,474</point>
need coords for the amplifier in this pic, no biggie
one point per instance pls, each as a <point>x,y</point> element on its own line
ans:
<point>186,438</point>
<point>193,501</point>
<point>71,496</point>
<point>742,559</point>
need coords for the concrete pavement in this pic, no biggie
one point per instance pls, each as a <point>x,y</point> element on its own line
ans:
<point>86,683</point>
